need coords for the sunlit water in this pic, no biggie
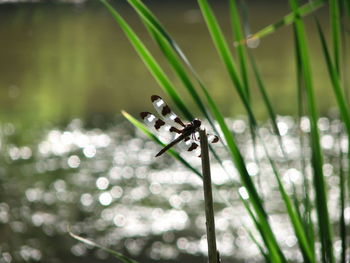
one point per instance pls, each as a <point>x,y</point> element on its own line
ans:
<point>108,186</point>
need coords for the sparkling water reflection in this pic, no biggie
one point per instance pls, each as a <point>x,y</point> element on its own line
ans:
<point>107,185</point>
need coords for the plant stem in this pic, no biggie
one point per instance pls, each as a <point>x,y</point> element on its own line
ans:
<point>208,199</point>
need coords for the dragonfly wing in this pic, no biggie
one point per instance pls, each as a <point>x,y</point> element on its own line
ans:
<point>166,113</point>
<point>164,131</point>
<point>190,145</point>
<point>211,137</point>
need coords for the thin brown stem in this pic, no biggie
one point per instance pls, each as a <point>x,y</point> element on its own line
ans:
<point>208,199</point>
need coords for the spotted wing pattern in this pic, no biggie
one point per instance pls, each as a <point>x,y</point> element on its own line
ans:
<point>170,127</point>
<point>158,126</point>
<point>191,145</point>
<point>166,113</point>
<point>212,138</point>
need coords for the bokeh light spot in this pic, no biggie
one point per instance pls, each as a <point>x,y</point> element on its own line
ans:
<point>105,199</point>
<point>73,161</point>
<point>102,183</point>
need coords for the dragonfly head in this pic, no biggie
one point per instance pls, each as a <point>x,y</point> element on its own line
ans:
<point>197,123</point>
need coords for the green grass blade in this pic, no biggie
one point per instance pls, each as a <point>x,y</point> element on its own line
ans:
<point>271,243</point>
<point>266,100</point>
<point>307,221</point>
<point>335,25</point>
<point>225,54</point>
<point>116,254</point>
<point>272,257</point>
<point>317,160</point>
<point>294,216</point>
<point>293,213</point>
<point>335,79</point>
<point>241,51</point>
<point>149,61</point>
<point>173,153</point>
<point>304,10</point>
<point>344,113</point>
<point>261,249</point>
<point>299,231</point>
<point>342,186</point>
<point>346,5</point>
<point>270,240</point>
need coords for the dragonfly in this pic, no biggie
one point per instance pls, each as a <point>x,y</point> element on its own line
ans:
<point>172,128</point>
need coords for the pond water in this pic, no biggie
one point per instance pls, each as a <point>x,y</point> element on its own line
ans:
<point>107,185</point>
<point>69,160</point>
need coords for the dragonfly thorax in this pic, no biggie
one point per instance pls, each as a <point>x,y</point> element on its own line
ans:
<point>196,123</point>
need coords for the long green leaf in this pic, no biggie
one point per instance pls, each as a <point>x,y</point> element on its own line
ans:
<point>307,221</point>
<point>271,243</point>
<point>116,254</point>
<point>149,61</point>
<point>293,213</point>
<point>271,257</point>
<point>220,43</point>
<point>262,252</point>
<point>342,202</point>
<point>304,245</point>
<point>241,51</point>
<point>266,231</point>
<point>225,55</point>
<point>304,10</point>
<point>266,100</point>
<point>297,225</point>
<point>335,79</point>
<point>346,5</point>
<point>344,113</point>
<point>317,160</point>
<point>335,25</point>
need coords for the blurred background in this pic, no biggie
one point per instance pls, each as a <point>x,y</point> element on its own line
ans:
<point>69,159</point>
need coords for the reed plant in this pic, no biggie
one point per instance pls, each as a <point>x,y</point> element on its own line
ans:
<point>308,230</point>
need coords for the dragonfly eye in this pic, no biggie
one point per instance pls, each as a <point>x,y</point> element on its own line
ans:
<point>197,122</point>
